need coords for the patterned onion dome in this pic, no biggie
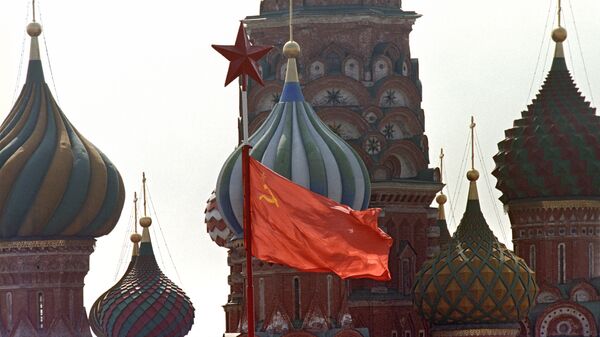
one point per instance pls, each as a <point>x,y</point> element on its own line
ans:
<point>216,227</point>
<point>554,149</point>
<point>144,302</point>
<point>476,280</point>
<point>295,143</point>
<point>53,181</point>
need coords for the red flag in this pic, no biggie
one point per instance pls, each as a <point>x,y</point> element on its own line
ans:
<point>306,231</point>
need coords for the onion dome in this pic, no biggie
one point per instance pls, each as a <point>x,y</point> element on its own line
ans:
<point>53,181</point>
<point>144,302</point>
<point>215,225</point>
<point>553,150</point>
<point>95,323</point>
<point>295,143</point>
<point>476,280</point>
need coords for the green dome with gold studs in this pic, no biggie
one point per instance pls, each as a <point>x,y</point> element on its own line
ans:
<point>476,279</point>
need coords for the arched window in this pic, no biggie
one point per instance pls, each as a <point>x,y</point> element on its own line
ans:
<point>261,299</point>
<point>9,308</point>
<point>40,310</point>
<point>297,315</point>
<point>334,63</point>
<point>532,261</point>
<point>329,294</point>
<point>562,268</point>
<point>591,259</point>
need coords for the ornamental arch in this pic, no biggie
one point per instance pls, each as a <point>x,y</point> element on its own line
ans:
<point>566,319</point>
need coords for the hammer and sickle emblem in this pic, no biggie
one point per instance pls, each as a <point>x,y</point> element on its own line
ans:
<point>270,198</point>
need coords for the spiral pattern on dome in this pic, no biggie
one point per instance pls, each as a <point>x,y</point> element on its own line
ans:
<point>476,280</point>
<point>53,181</point>
<point>294,142</point>
<point>144,303</point>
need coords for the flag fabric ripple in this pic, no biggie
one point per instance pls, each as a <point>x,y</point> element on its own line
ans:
<point>306,231</point>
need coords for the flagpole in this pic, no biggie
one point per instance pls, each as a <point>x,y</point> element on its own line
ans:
<point>242,63</point>
<point>247,223</point>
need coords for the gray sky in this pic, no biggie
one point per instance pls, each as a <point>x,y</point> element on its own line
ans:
<point>139,79</point>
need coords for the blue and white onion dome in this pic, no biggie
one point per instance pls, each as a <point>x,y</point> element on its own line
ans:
<point>294,142</point>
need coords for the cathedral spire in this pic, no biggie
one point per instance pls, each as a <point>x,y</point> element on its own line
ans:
<point>291,49</point>
<point>144,302</point>
<point>135,237</point>
<point>473,174</point>
<point>559,35</point>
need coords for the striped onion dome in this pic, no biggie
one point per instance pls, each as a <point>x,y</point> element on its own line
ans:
<point>295,143</point>
<point>144,302</point>
<point>476,279</point>
<point>53,181</point>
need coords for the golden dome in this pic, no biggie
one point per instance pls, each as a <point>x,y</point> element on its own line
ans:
<point>291,49</point>
<point>145,221</point>
<point>559,34</point>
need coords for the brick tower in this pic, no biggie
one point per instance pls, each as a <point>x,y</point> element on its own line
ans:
<point>356,71</point>
<point>57,193</point>
<point>547,170</point>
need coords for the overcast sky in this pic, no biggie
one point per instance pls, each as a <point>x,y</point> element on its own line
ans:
<point>140,81</point>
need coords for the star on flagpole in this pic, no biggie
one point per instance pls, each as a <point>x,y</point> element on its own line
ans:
<point>242,58</point>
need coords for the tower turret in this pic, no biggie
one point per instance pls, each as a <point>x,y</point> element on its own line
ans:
<point>144,302</point>
<point>57,193</point>
<point>476,287</point>
<point>547,172</point>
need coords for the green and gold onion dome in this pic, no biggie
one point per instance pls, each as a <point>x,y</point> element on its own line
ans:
<point>553,150</point>
<point>476,280</point>
<point>294,142</point>
<point>53,181</point>
<point>144,302</point>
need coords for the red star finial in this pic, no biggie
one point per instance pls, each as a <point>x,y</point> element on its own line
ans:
<point>242,58</point>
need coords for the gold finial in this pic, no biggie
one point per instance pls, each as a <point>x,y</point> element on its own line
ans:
<point>144,190</point>
<point>441,199</point>
<point>472,175</point>
<point>559,12</point>
<point>145,221</point>
<point>559,34</point>
<point>34,29</point>
<point>472,126</point>
<point>442,167</point>
<point>291,49</point>
<point>135,215</point>
<point>136,237</point>
<point>291,13</point>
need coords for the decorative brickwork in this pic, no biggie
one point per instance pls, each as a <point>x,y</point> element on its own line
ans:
<point>360,79</point>
<point>41,288</point>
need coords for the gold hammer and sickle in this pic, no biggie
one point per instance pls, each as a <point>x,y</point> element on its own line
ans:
<point>268,198</point>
